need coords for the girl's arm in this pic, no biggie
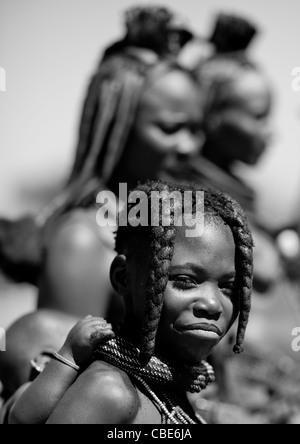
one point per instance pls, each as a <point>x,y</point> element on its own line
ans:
<point>101,395</point>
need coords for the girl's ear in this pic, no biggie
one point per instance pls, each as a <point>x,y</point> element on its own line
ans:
<point>118,275</point>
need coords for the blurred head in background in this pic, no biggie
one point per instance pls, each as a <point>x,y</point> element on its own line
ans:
<point>31,338</point>
<point>238,97</point>
<point>142,110</point>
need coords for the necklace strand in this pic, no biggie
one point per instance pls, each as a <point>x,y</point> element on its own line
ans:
<point>177,415</point>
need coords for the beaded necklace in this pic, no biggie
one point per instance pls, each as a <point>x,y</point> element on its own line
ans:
<point>124,355</point>
<point>175,414</point>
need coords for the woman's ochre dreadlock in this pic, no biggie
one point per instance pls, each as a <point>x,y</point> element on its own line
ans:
<point>108,117</point>
<point>162,240</point>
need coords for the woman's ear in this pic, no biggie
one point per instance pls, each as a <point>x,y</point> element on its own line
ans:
<point>118,275</point>
<point>212,124</point>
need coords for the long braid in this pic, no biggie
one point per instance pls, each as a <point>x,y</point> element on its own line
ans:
<point>107,119</point>
<point>88,115</point>
<point>108,116</point>
<point>233,215</point>
<point>162,250</point>
<point>162,239</point>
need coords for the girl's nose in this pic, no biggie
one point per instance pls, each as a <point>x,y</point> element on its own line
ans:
<point>208,302</point>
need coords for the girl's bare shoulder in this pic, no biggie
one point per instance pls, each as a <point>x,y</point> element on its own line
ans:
<point>111,389</point>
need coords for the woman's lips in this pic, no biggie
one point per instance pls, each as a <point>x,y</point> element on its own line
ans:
<point>201,327</point>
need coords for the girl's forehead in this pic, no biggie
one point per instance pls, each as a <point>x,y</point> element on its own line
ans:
<point>215,243</point>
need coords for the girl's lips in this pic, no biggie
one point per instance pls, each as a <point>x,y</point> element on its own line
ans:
<point>202,327</point>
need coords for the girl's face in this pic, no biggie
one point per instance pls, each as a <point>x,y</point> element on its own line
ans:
<point>242,130</point>
<point>167,126</point>
<point>200,302</point>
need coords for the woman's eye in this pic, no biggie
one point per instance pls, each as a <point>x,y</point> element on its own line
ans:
<point>184,282</point>
<point>169,129</point>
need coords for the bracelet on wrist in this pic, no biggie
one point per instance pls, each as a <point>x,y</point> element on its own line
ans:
<point>59,358</point>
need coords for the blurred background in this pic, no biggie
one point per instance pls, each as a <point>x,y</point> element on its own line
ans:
<point>49,50</point>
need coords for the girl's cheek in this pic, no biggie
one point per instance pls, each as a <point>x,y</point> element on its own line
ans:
<point>172,300</point>
<point>229,309</point>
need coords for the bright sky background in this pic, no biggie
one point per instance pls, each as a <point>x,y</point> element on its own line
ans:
<point>49,48</point>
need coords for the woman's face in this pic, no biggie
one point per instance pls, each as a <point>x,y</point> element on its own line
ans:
<point>241,130</point>
<point>167,126</point>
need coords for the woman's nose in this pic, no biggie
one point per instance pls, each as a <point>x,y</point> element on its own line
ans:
<point>208,302</point>
<point>267,132</point>
<point>189,144</point>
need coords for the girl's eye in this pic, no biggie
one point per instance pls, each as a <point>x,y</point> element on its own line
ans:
<point>183,282</point>
<point>228,288</point>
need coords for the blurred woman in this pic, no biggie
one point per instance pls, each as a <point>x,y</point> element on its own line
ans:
<point>237,128</point>
<point>142,112</point>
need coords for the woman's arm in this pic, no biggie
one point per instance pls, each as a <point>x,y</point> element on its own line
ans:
<point>75,277</point>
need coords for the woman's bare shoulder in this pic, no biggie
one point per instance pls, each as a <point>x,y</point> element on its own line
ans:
<point>78,229</point>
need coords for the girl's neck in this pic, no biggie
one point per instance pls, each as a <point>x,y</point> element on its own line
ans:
<point>131,332</point>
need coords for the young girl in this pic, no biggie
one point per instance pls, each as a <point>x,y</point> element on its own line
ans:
<point>182,295</point>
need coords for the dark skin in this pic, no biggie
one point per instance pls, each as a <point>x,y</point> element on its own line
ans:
<point>240,131</point>
<point>200,291</point>
<point>166,126</point>
<point>34,403</point>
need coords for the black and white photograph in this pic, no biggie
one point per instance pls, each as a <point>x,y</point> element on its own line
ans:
<point>149,214</point>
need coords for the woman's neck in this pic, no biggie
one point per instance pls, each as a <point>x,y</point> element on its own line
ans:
<point>120,176</point>
<point>214,154</point>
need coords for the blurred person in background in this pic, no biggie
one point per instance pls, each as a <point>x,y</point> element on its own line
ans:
<point>142,111</point>
<point>237,129</point>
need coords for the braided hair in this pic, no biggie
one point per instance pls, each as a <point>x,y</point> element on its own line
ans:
<point>153,27</point>
<point>218,206</point>
<point>107,119</point>
<point>109,111</point>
